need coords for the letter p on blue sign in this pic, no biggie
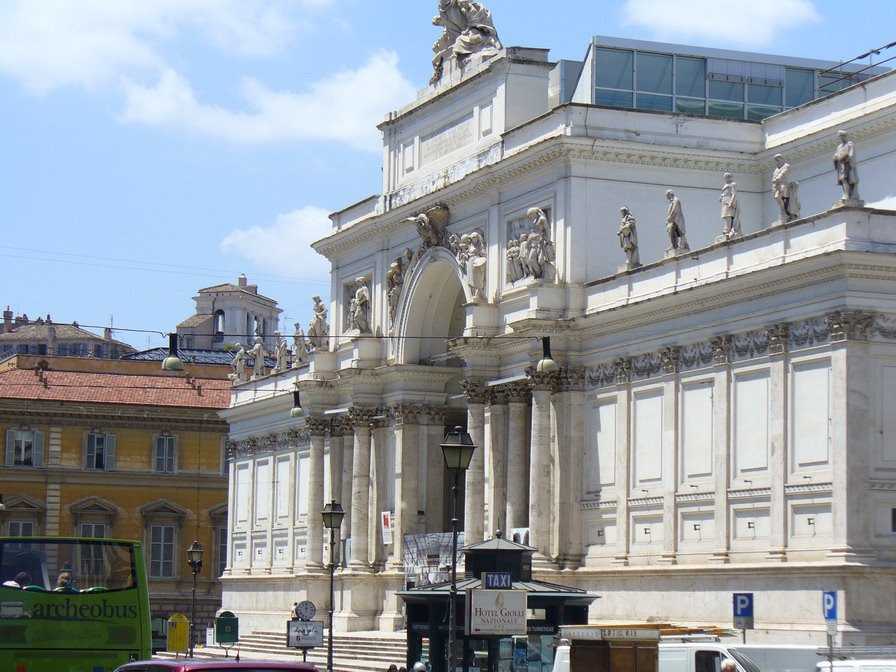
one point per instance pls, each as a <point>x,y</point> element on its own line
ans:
<point>743,611</point>
<point>829,605</point>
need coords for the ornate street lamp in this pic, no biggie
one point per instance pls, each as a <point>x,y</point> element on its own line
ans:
<point>172,362</point>
<point>297,410</point>
<point>546,364</point>
<point>194,559</point>
<point>457,449</point>
<point>332,513</point>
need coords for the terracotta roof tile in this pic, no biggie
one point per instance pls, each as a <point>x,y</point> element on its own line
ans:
<point>108,388</point>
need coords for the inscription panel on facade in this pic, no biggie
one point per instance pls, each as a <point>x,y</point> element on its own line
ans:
<point>447,139</point>
<point>697,429</point>
<point>648,436</point>
<point>262,491</point>
<point>751,422</point>
<point>600,457</point>
<point>811,436</point>
<point>303,476</point>
<point>885,414</point>
<point>241,496</point>
<point>281,498</point>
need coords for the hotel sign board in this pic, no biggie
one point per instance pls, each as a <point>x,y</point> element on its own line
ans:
<point>496,612</point>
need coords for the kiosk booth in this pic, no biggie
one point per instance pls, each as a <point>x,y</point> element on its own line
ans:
<point>492,635</point>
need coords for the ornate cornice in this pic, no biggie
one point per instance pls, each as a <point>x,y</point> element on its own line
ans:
<point>598,505</point>
<point>644,502</point>
<point>749,493</point>
<point>696,497</point>
<point>808,488</point>
<point>269,443</point>
<point>889,486</point>
<point>809,333</point>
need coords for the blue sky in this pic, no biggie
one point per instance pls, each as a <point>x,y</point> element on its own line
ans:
<point>153,148</point>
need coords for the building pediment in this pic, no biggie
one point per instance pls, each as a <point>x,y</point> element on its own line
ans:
<point>94,505</point>
<point>24,504</point>
<point>164,507</point>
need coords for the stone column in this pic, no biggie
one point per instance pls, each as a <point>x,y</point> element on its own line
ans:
<point>778,397</point>
<point>348,453</point>
<point>474,492</point>
<point>497,480</point>
<point>360,522</point>
<point>569,404</point>
<point>722,414</point>
<point>434,503</point>
<point>540,509</point>
<point>670,455</point>
<point>623,373</point>
<point>851,436</point>
<point>317,426</point>
<point>518,394</point>
<point>407,477</point>
<point>337,446</point>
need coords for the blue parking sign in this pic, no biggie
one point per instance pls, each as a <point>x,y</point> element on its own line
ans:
<point>829,605</point>
<point>743,611</point>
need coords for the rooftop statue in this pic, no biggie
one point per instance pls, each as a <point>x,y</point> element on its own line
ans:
<point>628,239</point>
<point>678,242</point>
<point>239,365</point>
<point>281,352</point>
<point>431,225</point>
<point>299,347</point>
<point>468,31</point>
<point>319,329</point>
<point>730,208</point>
<point>785,191</point>
<point>257,353</point>
<point>847,170</point>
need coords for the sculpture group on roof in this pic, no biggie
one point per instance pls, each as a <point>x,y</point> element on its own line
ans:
<point>468,30</point>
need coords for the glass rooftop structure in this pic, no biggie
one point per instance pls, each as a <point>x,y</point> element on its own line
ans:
<point>642,75</point>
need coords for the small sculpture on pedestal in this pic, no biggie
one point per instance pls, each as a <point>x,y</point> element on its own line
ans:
<point>319,329</point>
<point>678,243</point>
<point>847,171</point>
<point>239,365</point>
<point>730,209</point>
<point>299,347</point>
<point>359,308</point>
<point>628,239</point>
<point>475,265</point>
<point>785,191</point>
<point>257,353</point>
<point>514,267</point>
<point>539,252</point>
<point>282,353</point>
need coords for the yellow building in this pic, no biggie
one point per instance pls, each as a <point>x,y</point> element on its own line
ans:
<point>120,449</point>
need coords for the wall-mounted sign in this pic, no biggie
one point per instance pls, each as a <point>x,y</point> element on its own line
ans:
<point>496,612</point>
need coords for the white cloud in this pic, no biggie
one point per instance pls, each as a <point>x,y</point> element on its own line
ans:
<point>753,22</point>
<point>46,44</point>
<point>343,107</point>
<point>285,246</point>
<point>888,203</point>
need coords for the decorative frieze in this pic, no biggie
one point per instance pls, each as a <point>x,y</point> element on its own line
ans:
<point>602,375</point>
<point>598,505</point>
<point>435,415</point>
<point>808,488</point>
<point>572,378</point>
<point>646,365</point>
<point>751,344</point>
<point>809,333</point>
<point>884,327</point>
<point>269,443</point>
<point>849,325</point>
<point>695,497</point>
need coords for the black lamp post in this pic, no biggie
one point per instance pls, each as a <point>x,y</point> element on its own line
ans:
<point>457,450</point>
<point>332,514</point>
<point>194,559</point>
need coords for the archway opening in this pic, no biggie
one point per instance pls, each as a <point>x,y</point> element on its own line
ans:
<point>434,313</point>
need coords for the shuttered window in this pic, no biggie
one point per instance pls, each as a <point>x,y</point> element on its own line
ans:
<point>24,448</point>
<point>100,451</point>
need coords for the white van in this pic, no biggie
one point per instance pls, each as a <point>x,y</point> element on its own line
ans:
<point>858,666</point>
<point>708,656</point>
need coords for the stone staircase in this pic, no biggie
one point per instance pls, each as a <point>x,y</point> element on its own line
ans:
<point>352,652</point>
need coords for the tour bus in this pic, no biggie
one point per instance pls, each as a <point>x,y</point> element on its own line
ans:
<point>72,605</point>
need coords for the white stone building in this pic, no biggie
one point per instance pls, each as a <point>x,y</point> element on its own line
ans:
<point>722,420</point>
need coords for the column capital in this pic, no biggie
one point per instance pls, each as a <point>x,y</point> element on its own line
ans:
<point>669,359</point>
<point>721,350</point>
<point>405,413</point>
<point>572,379</point>
<point>363,416</point>
<point>518,392</point>
<point>498,396</point>
<point>476,391</point>
<point>777,338</point>
<point>317,425</point>
<point>340,426</point>
<point>543,380</point>
<point>622,368</point>
<point>435,415</point>
<point>850,325</point>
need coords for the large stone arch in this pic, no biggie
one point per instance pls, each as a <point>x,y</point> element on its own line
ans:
<point>431,308</point>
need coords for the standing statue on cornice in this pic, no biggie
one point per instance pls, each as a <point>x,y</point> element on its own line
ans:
<point>257,353</point>
<point>281,352</point>
<point>678,242</point>
<point>730,208</point>
<point>299,347</point>
<point>628,239</point>
<point>468,31</point>
<point>785,191</point>
<point>847,170</point>
<point>319,329</point>
<point>239,365</point>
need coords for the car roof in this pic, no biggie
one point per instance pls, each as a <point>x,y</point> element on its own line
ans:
<point>198,665</point>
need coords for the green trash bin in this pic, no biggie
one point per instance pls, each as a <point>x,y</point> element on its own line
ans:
<point>227,628</point>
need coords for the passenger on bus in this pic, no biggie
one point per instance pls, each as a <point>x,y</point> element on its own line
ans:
<point>65,583</point>
<point>22,579</point>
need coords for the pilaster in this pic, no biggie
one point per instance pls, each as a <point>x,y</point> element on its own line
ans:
<point>406,418</point>
<point>497,493</point>
<point>474,493</point>
<point>540,506</point>
<point>518,394</point>
<point>362,421</point>
<point>669,457</point>
<point>434,497</point>
<point>722,431</point>
<point>569,403</point>
<point>317,427</point>
<point>623,373</point>
<point>778,396</point>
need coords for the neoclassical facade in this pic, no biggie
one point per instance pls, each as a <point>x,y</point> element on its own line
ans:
<point>721,418</point>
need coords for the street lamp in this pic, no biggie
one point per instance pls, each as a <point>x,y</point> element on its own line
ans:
<point>457,450</point>
<point>332,513</point>
<point>172,362</point>
<point>2,505</point>
<point>194,559</point>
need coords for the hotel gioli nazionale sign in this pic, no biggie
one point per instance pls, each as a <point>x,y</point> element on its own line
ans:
<point>497,612</point>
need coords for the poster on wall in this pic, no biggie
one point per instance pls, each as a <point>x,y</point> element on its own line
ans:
<point>387,524</point>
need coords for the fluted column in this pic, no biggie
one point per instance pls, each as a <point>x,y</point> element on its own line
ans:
<point>497,478</point>
<point>474,492</point>
<point>317,426</point>
<point>543,385</point>
<point>337,457</point>
<point>360,419</point>
<point>518,394</point>
<point>435,470</point>
<point>569,404</point>
<point>407,476</point>
<point>348,452</point>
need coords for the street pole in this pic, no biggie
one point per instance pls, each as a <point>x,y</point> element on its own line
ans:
<point>193,616</point>
<point>194,559</point>
<point>452,599</point>
<point>332,594</point>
